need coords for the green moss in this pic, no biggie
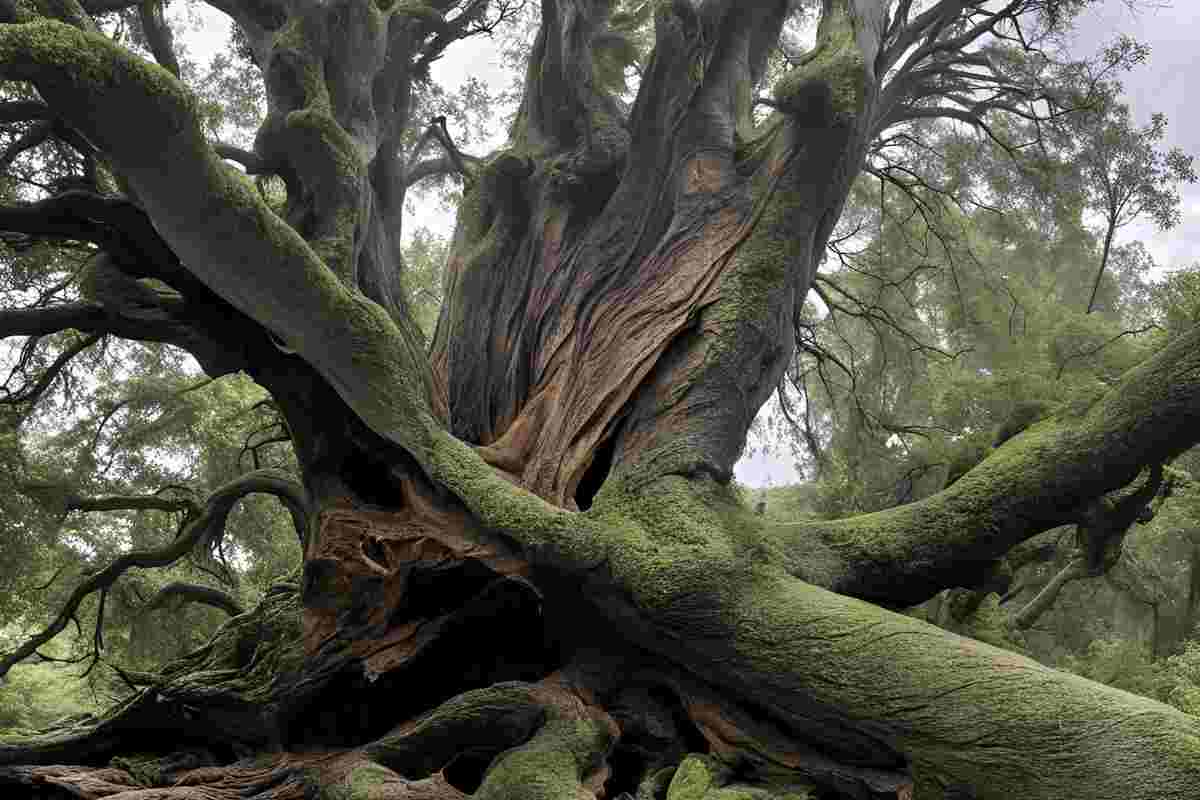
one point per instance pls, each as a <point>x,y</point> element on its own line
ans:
<point>693,779</point>
<point>27,11</point>
<point>530,774</point>
<point>1082,399</point>
<point>361,781</point>
<point>72,60</point>
<point>1021,417</point>
<point>836,61</point>
<point>69,11</point>
<point>504,507</point>
<point>48,43</point>
<point>548,766</point>
<point>146,768</point>
<point>343,151</point>
<point>990,623</point>
<point>419,10</point>
<point>337,250</point>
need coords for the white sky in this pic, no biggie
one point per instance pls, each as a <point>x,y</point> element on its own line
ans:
<point>1171,29</point>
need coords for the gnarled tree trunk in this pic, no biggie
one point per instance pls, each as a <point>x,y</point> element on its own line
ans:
<point>525,572</point>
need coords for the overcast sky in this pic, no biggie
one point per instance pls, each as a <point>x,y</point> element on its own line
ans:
<point>1173,33</point>
<point>1171,29</point>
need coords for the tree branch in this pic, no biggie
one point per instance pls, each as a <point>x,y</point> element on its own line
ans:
<point>158,34</point>
<point>434,168</point>
<point>214,221</point>
<point>1045,599</point>
<point>199,525</point>
<point>453,162</point>
<point>253,164</point>
<point>24,111</point>
<point>31,394</point>
<point>1147,418</point>
<point>151,502</point>
<point>33,137</point>
<point>114,223</point>
<point>194,593</point>
<point>108,6</point>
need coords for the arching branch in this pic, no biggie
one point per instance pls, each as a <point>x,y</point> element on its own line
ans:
<point>434,168</point>
<point>1147,418</point>
<point>200,525</point>
<point>181,592</point>
<point>253,164</point>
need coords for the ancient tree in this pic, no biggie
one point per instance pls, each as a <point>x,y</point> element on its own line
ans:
<point>525,573</point>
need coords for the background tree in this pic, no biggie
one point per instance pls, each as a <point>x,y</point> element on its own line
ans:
<point>620,297</point>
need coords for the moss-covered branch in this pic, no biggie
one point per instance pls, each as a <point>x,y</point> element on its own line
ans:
<point>180,592</point>
<point>1044,477</point>
<point>218,226</point>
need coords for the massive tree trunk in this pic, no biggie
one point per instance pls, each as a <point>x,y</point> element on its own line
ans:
<point>525,572</point>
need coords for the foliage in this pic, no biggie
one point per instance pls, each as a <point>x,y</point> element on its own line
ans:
<point>943,321</point>
<point>1126,665</point>
<point>33,696</point>
<point>424,257</point>
<point>1120,663</point>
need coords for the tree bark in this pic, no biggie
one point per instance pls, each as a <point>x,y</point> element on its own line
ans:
<point>526,573</point>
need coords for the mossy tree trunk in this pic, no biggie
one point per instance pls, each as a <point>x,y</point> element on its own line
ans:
<point>526,574</point>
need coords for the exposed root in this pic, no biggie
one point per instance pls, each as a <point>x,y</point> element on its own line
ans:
<point>444,673</point>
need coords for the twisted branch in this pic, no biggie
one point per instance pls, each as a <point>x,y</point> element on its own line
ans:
<point>200,524</point>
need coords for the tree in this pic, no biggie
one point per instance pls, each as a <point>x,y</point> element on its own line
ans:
<point>1126,176</point>
<point>953,329</point>
<point>526,573</point>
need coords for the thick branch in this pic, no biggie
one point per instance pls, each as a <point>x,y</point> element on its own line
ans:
<point>24,110</point>
<point>158,34</point>
<point>194,593</point>
<point>250,160</point>
<point>214,221</point>
<point>132,503</point>
<point>1042,478</point>
<point>114,223</point>
<point>433,168</point>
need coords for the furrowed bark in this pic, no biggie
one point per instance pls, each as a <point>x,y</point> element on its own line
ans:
<point>638,285</point>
